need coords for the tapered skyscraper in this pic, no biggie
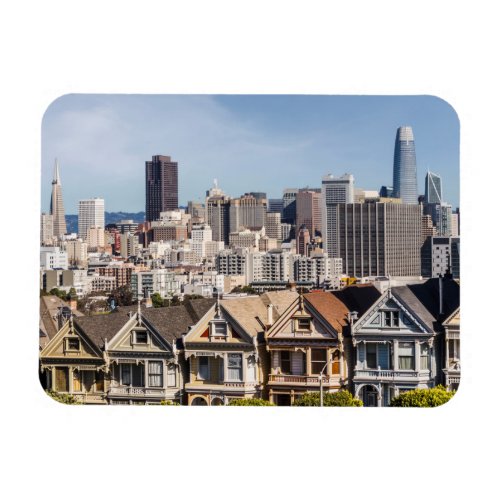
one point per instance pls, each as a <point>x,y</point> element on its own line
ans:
<point>56,204</point>
<point>405,167</point>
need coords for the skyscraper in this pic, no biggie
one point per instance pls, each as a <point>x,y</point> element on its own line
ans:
<point>217,205</point>
<point>162,187</point>
<point>405,167</point>
<point>56,204</point>
<point>433,193</point>
<point>308,210</point>
<point>334,190</point>
<point>90,214</point>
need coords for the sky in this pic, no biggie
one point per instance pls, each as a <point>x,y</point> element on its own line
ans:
<point>247,142</point>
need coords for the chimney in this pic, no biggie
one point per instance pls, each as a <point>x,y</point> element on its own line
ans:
<point>270,315</point>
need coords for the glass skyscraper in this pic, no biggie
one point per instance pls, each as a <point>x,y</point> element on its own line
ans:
<point>405,167</point>
<point>433,193</point>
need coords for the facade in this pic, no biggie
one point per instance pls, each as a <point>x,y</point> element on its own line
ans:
<point>226,353</point>
<point>273,225</point>
<point>125,357</point>
<point>303,239</point>
<point>217,208</point>
<point>275,205</point>
<point>169,232</point>
<point>57,205</point>
<point>245,239</point>
<point>441,256</point>
<point>144,283</point>
<point>306,347</point>
<point>451,351</point>
<point>247,212</point>
<point>441,214</point>
<point>162,187</point>
<point>308,210</point>
<point>335,190</point>
<point>90,214</point>
<point>377,239</point>
<point>433,191</point>
<point>397,341</point>
<point>53,258</point>
<point>77,252</point>
<point>405,167</point>
<point>46,229</point>
<point>289,206</point>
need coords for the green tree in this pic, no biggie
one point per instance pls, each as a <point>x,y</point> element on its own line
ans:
<point>157,300</point>
<point>423,398</point>
<point>122,295</point>
<point>58,293</point>
<point>250,402</point>
<point>340,398</point>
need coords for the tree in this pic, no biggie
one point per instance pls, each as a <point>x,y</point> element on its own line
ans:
<point>250,402</point>
<point>122,295</point>
<point>157,300</point>
<point>423,398</point>
<point>58,293</point>
<point>340,398</point>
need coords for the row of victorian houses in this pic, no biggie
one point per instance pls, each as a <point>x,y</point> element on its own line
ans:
<point>275,346</point>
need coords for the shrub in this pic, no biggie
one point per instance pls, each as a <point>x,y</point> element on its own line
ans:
<point>168,402</point>
<point>250,402</point>
<point>67,399</point>
<point>423,398</point>
<point>340,398</point>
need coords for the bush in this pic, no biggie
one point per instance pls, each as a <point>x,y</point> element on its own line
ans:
<point>250,402</point>
<point>168,402</point>
<point>67,399</point>
<point>423,398</point>
<point>340,398</point>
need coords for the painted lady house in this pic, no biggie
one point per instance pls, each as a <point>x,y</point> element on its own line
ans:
<point>226,351</point>
<point>398,341</point>
<point>125,357</point>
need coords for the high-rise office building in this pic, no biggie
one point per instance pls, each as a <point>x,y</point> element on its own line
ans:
<point>405,167</point>
<point>90,214</point>
<point>247,212</point>
<point>162,187</point>
<point>378,239</point>
<point>335,190</point>
<point>217,205</point>
<point>441,214</point>
<point>433,192</point>
<point>440,257</point>
<point>308,210</point>
<point>275,205</point>
<point>46,229</point>
<point>303,239</point>
<point>289,205</point>
<point>56,205</point>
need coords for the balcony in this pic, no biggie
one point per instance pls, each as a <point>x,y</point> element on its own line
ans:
<point>137,392</point>
<point>390,375</point>
<point>304,380</point>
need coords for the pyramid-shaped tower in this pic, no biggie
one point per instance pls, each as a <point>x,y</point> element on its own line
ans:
<point>56,204</point>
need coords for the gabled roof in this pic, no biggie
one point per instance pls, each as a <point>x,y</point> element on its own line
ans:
<point>169,322</point>
<point>246,310</point>
<point>333,310</point>
<point>172,322</point>
<point>358,297</point>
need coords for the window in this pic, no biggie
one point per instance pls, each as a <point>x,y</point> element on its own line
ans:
<point>219,329</point>
<point>72,344</point>
<point>132,375</point>
<point>304,324</point>
<point>234,367</point>
<point>251,369</point>
<point>424,357</point>
<point>285,363</point>
<point>171,376</point>
<point>318,360</point>
<point>371,355</point>
<point>141,338</point>
<point>391,318</point>
<point>77,381</point>
<point>406,354</point>
<point>155,373</point>
<point>203,370</point>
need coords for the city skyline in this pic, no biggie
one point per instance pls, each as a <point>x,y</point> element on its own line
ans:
<point>275,142</point>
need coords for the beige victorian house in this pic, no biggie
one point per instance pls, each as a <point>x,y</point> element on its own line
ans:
<point>225,351</point>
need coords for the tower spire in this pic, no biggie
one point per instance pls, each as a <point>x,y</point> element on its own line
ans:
<point>57,179</point>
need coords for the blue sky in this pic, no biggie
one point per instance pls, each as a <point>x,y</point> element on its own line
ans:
<point>248,142</point>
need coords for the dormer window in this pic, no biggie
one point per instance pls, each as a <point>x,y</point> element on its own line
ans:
<point>140,337</point>
<point>303,324</point>
<point>218,328</point>
<point>391,318</point>
<point>72,344</point>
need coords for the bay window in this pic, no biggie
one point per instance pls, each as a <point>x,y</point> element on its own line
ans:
<point>155,373</point>
<point>235,367</point>
<point>406,355</point>
<point>424,357</point>
<point>318,360</point>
